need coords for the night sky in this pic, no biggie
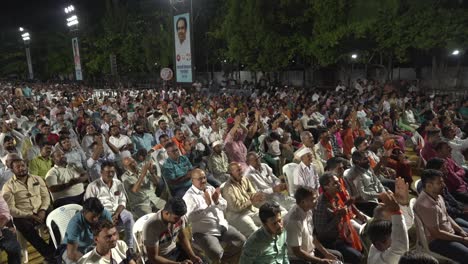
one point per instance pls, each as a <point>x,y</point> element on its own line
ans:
<point>43,15</point>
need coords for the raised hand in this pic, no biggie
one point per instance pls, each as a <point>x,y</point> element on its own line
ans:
<point>401,191</point>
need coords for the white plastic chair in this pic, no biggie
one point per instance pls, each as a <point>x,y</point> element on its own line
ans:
<point>416,182</point>
<point>137,232</point>
<point>288,170</point>
<point>61,216</point>
<point>422,158</point>
<point>422,243</point>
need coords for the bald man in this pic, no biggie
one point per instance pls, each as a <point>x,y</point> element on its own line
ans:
<point>139,184</point>
<point>205,207</point>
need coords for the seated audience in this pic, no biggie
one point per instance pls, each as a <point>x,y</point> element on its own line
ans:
<point>268,243</point>
<point>205,207</point>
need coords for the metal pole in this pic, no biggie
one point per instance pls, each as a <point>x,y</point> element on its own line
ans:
<point>28,60</point>
<point>77,60</point>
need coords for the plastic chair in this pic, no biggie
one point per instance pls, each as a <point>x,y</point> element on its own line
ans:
<point>416,182</point>
<point>288,170</point>
<point>137,232</point>
<point>422,243</point>
<point>61,216</point>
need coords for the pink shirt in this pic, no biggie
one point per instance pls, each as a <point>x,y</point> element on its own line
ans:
<point>455,177</point>
<point>235,149</point>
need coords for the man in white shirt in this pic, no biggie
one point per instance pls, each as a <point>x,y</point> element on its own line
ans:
<point>303,245</point>
<point>262,177</point>
<point>389,238</point>
<point>205,207</point>
<point>64,181</point>
<point>122,142</point>
<point>304,174</point>
<point>108,248</point>
<point>111,192</point>
<point>205,130</point>
<point>457,145</point>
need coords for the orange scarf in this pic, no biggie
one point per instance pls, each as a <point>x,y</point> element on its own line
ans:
<point>346,230</point>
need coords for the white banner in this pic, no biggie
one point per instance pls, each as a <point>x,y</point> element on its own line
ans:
<point>182,48</point>
<point>77,60</point>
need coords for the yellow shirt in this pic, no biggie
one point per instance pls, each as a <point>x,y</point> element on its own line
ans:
<point>238,196</point>
<point>26,199</point>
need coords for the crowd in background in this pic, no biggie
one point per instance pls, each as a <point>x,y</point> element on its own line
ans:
<point>275,175</point>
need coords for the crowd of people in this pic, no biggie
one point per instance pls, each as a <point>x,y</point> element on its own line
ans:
<point>280,175</point>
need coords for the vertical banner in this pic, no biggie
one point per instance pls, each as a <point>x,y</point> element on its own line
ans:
<point>28,60</point>
<point>76,58</point>
<point>183,54</point>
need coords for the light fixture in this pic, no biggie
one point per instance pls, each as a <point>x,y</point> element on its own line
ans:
<point>21,29</point>
<point>353,56</point>
<point>24,35</point>
<point>455,52</point>
<point>72,23</point>
<point>26,38</point>
<point>72,18</point>
<point>69,9</point>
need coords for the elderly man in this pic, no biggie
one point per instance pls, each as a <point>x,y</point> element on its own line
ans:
<point>242,199</point>
<point>307,140</point>
<point>262,177</point>
<point>111,192</point>
<point>28,199</point>
<point>205,207</point>
<point>305,174</point>
<point>218,162</point>
<point>139,186</point>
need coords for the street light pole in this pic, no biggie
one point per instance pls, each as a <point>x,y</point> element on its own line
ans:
<point>26,39</point>
<point>72,23</point>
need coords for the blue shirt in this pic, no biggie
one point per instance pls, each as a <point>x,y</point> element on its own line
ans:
<point>263,248</point>
<point>172,170</point>
<point>144,141</point>
<point>79,231</point>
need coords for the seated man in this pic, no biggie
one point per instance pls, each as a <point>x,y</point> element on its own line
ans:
<point>8,241</point>
<point>455,176</point>
<point>65,182</point>
<point>42,163</point>
<point>432,136</point>
<point>267,244</point>
<point>138,184</point>
<point>218,162</point>
<point>111,192</point>
<point>459,146</point>
<point>303,245</point>
<point>205,207</point>
<point>108,248</point>
<point>78,238</point>
<point>28,199</point>
<point>262,177</point>
<point>365,185</point>
<point>75,155</point>
<point>304,174</point>
<point>389,238</point>
<point>444,235</point>
<point>176,171</point>
<point>242,197</point>
<point>161,232</point>
<point>417,257</point>
<point>332,221</point>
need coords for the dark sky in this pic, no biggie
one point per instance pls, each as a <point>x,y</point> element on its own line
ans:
<point>43,15</point>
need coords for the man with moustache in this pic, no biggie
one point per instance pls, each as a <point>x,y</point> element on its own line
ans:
<point>205,207</point>
<point>28,199</point>
<point>111,192</point>
<point>64,181</point>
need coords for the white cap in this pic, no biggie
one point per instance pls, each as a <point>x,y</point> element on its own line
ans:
<point>9,106</point>
<point>303,152</point>
<point>216,143</point>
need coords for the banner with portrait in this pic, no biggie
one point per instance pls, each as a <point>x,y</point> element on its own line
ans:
<point>183,54</point>
<point>77,59</point>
